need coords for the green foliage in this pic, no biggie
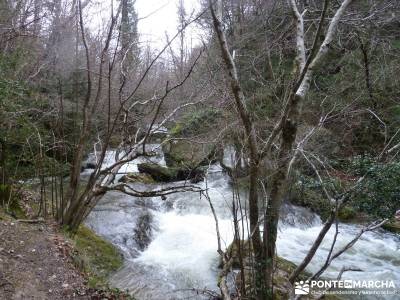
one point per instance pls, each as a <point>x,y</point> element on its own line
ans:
<point>263,106</point>
<point>307,191</point>
<point>396,44</point>
<point>347,213</point>
<point>27,125</point>
<point>393,226</point>
<point>379,192</point>
<point>360,165</point>
<point>10,202</point>
<point>308,194</point>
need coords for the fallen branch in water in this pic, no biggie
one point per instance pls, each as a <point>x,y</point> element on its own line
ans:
<point>127,189</point>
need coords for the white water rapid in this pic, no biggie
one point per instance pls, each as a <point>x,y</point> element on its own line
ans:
<point>182,252</point>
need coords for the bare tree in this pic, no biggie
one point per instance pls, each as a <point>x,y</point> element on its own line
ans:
<point>131,148</point>
<point>285,128</point>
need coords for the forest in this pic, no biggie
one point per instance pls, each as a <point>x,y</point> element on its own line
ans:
<point>250,152</point>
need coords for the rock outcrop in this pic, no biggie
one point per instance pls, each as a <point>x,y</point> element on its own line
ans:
<point>166,174</point>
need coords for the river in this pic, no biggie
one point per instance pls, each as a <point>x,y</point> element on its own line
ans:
<point>182,252</point>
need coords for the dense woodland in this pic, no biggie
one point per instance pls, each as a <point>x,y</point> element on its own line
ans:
<point>304,94</point>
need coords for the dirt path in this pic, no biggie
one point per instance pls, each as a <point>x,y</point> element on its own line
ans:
<point>34,264</point>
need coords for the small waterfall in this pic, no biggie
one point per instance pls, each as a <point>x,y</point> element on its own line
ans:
<point>182,253</point>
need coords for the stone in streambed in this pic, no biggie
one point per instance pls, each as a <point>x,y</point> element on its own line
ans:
<point>164,174</point>
<point>158,173</point>
<point>143,231</point>
<point>189,155</point>
<point>393,226</point>
<point>137,178</point>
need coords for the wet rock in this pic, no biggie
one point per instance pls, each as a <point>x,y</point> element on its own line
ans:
<point>164,174</point>
<point>189,155</point>
<point>393,226</point>
<point>137,177</point>
<point>236,250</point>
<point>158,173</point>
<point>90,165</point>
<point>143,231</point>
<point>194,175</point>
<point>169,205</point>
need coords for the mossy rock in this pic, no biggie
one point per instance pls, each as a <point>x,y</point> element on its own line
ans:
<point>143,232</point>
<point>137,177</point>
<point>393,226</point>
<point>95,256</point>
<point>233,252</point>
<point>164,174</point>
<point>285,265</point>
<point>187,154</point>
<point>157,172</point>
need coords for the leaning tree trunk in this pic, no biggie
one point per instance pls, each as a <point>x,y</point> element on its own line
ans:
<point>251,140</point>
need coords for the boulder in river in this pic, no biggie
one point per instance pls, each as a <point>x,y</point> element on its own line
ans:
<point>165,174</point>
<point>393,226</point>
<point>143,231</point>
<point>188,154</point>
<point>137,177</point>
<point>90,165</point>
<point>157,172</point>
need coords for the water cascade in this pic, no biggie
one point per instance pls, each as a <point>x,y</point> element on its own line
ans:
<point>182,253</point>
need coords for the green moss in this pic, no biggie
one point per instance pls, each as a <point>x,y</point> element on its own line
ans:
<point>396,44</point>
<point>285,265</point>
<point>177,129</point>
<point>184,153</point>
<point>137,177</point>
<point>233,252</point>
<point>16,210</point>
<point>95,256</point>
<point>158,173</point>
<point>393,226</point>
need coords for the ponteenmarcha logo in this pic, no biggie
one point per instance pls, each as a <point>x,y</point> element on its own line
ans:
<point>384,287</point>
<point>302,287</point>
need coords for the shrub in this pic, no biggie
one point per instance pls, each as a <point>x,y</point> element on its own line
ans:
<point>379,192</point>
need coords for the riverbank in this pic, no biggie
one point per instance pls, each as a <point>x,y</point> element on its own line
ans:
<point>39,261</point>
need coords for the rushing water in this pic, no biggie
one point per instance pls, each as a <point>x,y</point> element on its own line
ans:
<point>182,253</point>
